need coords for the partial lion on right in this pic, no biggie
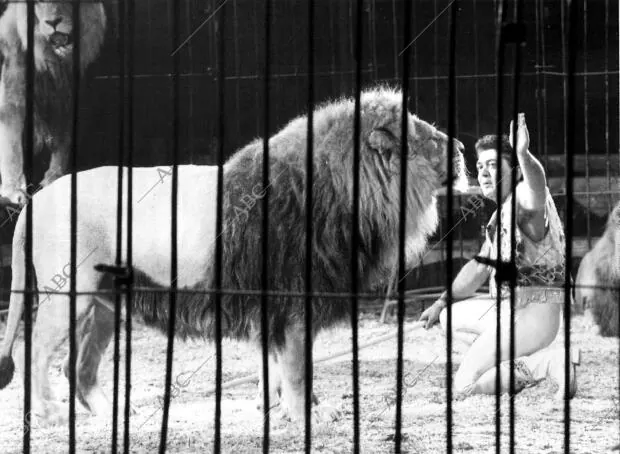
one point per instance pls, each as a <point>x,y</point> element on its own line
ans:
<point>54,35</point>
<point>597,287</point>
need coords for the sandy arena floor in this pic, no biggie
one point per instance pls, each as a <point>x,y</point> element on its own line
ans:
<point>539,426</point>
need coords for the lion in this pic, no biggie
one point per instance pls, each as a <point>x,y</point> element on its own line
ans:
<point>53,85</point>
<point>427,162</point>
<point>597,287</point>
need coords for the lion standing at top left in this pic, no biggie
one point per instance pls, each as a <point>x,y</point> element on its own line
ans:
<point>54,33</point>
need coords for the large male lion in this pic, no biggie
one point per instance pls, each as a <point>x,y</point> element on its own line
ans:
<point>427,165</point>
<point>53,58</point>
<point>597,287</point>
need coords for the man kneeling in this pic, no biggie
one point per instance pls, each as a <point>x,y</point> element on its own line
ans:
<point>539,294</point>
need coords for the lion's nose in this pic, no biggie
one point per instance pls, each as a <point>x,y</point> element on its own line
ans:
<point>54,22</point>
<point>459,145</point>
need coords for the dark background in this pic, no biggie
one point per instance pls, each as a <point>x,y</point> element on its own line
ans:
<point>241,25</point>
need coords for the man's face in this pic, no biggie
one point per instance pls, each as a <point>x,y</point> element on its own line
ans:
<point>487,166</point>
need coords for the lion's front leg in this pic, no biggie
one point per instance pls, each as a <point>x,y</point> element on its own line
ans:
<point>12,117</point>
<point>275,382</point>
<point>13,185</point>
<point>293,381</point>
<point>59,163</point>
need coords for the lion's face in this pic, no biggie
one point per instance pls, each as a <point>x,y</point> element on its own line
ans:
<point>426,140</point>
<point>54,21</point>
<point>425,143</point>
<point>382,109</point>
<point>56,32</point>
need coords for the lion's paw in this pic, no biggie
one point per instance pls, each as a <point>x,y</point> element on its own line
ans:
<point>258,403</point>
<point>325,413</point>
<point>320,413</point>
<point>15,196</point>
<point>52,414</point>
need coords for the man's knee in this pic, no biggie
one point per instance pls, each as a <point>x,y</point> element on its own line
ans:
<point>464,381</point>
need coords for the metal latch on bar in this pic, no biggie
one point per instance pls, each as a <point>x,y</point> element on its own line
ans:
<point>505,271</point>
<point>122,274</point>
<point>514,32</point>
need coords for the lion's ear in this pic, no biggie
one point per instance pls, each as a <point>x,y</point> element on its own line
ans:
<point>382,140</point>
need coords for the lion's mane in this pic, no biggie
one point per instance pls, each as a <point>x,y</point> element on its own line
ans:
<point>597,287</point>
<point>332,197</point>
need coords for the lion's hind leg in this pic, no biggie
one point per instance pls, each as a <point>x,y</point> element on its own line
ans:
<point>50,331</point>
<point>93,337</point>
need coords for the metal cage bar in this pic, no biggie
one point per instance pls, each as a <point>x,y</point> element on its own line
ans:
<point>309,228</point>
<point>355,240</point>
<point>449,206</point>
<point>129,140</point>
<point>172,303</point>
<point>221,79</point>
<point>28,166</point>
<point>265,229</point>
<point>402,221</point>
<point>500,48</point>
<point>518,22</point>
<point>569,92</point>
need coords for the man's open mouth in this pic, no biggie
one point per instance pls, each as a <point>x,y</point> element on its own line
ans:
<point>58,39</point>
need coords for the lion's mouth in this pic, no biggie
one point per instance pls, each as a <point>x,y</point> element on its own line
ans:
<point>59,39</point>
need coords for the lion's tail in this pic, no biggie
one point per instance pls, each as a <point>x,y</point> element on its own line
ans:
<point>16,305</point>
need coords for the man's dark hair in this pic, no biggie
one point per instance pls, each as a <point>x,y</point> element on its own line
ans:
<point>489,142</point>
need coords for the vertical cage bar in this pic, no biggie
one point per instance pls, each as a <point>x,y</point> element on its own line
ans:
<point>119,223</point>
<point>606,77</point>
<point>500,48</point>
<point>545,117</point>
<point>309,230</point>
<point>355,239</point>
<point>172,306</point>
<point>265,230</point>
<point>476,68</point>
<point>221,52</point>
<point>585,123</point>
<point>569,117</point>
<point>219,231</point>
<point>414,92</point>
<point>449,205</point>
<point>130,23</point>
<point>518,22</point>
<point>395,35</point>
<point>73,252</point>
<point>402,221</point>
<point>237,78</point>
<point>539,67</point>
<point>28,173</point>
<point>436,34</point>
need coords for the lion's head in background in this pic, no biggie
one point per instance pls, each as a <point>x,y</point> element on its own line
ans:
<point>598,278</point>
<point>55,32</point>
<point>55,35</point>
